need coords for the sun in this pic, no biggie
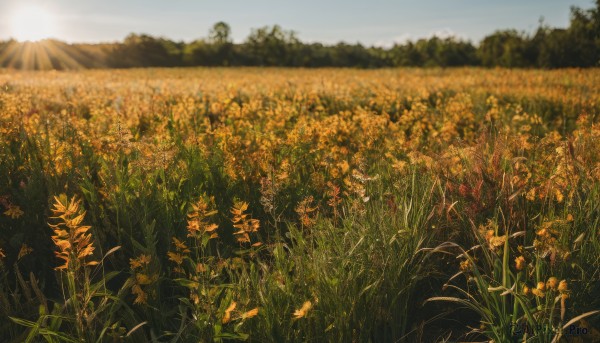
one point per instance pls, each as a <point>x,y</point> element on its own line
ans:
<point>32,23</point>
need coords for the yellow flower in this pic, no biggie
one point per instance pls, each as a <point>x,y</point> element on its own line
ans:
<point>552,283</point>
<point>140,261</point>
<point>559,196</point>
<point>227,316</point>
<point>541,286</point>
<point>465,265</point>
<point>175,257</point>
<point>14,212</point>
<point>530,194</point>
<point>142,279</point>
<point>250,313</point>
<point>303,311</point>
<point>526,290</point>
<point>241,222</point>
<point>72,239</point>
<point>497,241</point>
<point>180,246</point>
<point>520,262</point>
<point>562,286</point>
<point>145,259</point>
<point>141,296</point>
<point>200,267</point>
<point>537,293</point>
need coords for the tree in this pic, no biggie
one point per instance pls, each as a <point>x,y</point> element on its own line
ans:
<point>504,48</point>
<point>145,51</point>
<point>220,33</point>
<point>272,46</point>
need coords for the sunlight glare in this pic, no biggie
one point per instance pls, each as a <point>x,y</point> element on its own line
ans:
<point>32,23</point>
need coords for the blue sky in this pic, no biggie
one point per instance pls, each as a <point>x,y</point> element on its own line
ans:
<point>369,22</point>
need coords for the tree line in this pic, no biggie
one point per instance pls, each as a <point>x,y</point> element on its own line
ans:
<point>576,46</point>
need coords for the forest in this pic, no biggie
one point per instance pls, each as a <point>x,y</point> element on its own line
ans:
<point>575,46</point>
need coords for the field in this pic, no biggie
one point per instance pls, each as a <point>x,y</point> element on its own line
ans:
<point>280,205</point>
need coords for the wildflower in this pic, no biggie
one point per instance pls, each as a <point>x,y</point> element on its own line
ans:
<point>559,196</point>
<point>562,286</point>
<point>303,311</point>
<point>552,283</point>
<point>14,212</point>
<point>72,239</point>
<point>200,267</point>
<point>241,222</point>
<point>139,262</point>
<point>526,290</point>
<point>142,279</point>
<point>538,293</point>
<point>141,296</point>
<point>334,195</point>
<point>530,194</point>
<point>520,262</point>
<point>497,241</point>
<point>197,224</point>
<point>175,257</point>
<point>465,265</point>
<point>180,245</point>
<point>304,210</point>
<point>250,314</point>
<point>541,286</point>
<point>227,316</point>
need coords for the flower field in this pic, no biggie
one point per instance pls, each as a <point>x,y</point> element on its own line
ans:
<point>293,205</point>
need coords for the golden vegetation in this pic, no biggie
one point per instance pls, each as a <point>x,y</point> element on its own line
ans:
<point>353,184</point>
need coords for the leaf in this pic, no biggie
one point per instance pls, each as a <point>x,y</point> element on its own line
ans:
<point>111,251</point>
<point>135,328</point>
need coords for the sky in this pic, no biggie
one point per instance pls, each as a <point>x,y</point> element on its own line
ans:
<point>373,22</point>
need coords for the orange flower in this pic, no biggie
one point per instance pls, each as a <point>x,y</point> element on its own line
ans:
<point>241,222</point>
<point>563,286</point>
<point>139,262</point>
<point>141,296</point>
<point>520,262</point>
<point>541,286</point>
<point>465,265</point>
<point>303,311</point>
<point>537,293</point>
<point>227,316</point>
<point>175,257</point>
<point>552,283</point>
<point>180,246</point>
<point>73,240</point>
<point>250,313</point>
<point>197,224</point>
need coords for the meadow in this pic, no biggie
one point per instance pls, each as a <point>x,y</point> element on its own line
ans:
<point>297,205</point>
